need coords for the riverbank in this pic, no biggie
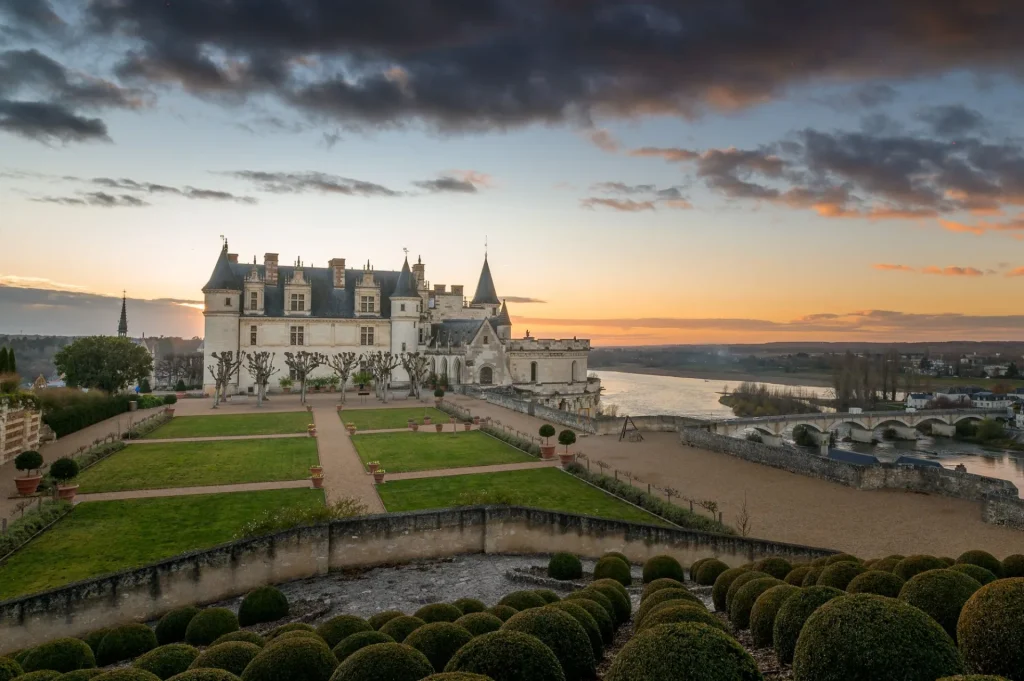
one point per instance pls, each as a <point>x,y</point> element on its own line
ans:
<point>819,380</point>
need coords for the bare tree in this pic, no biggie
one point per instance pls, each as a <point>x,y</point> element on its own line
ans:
<point>416,366</point>
<point>669,493</point>
<point>342,363</point>
<point>382,364</point>
<point>602,465</point>
<point>223,371</point>
<point>303,363</point>
<point>743,519</point>
<point>709,506</point>
<point>261,368</point>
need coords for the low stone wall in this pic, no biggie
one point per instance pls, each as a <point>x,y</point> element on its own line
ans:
<point>234,569</point>
<point>1003,511</point>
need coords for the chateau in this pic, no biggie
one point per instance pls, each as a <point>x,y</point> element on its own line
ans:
<point>280,308</point>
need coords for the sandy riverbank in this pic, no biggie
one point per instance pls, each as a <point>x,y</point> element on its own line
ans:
<point>733,377</point>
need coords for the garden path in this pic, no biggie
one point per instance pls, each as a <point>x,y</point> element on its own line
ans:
<point>186,491</point>
<point>469,470</point>
<point>344,475</point>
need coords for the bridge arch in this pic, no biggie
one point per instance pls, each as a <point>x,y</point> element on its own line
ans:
<point>893,421</point>
<point>816,427</point>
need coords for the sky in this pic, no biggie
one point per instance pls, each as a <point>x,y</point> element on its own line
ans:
<point>670,171</point>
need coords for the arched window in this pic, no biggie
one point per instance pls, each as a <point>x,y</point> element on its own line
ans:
<point>486,376</point>
<point>457,372</point>
<point>572,377</point>
<point>533,372</point>
<point>444,368</point>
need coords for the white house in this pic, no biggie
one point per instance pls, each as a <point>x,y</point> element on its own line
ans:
<point>919,400</point>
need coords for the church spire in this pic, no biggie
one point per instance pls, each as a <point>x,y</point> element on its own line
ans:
<point>485,293</point>
<point>122,326</point>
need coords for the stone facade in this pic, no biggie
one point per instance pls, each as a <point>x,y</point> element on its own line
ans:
<point>20,430</point>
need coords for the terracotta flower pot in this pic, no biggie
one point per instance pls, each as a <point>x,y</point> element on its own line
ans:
<point>318,482</point>
<point>378,478</point>
<point>437,401</point>
<point>316,470</point>
<point>426,420</point>
<point>547,451</point>
<point>169,411</point>
<point>311,432</point>
<point>351,430</point>
<point>439,427</point>
<point>414,426</point>
<point>340,407</point>
<point>476,420</point>
<point>67,493</point>
<point>28,485</point>
<point>373,467</point>
<point>566,459</point>
<point>467,426</point>
<point>286,390</point>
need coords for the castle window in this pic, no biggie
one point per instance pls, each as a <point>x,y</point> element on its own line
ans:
<point>366,303</point>
<point>298,302</point>
<point>486,340</point>
<point>533,372</point>
<point>298,335</point>
<point>254,300</point>
<point>403,307</point>
<point>227,302</point>
<point>366,335</point>
<point>252,335</point>
<point>403,347</point>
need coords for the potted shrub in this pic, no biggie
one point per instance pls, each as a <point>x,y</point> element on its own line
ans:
<point>311,430</point>
<point>351,428</point>
<point>476,420</point>
<point>467,425</point>
<point>426,420</point>
<point>438,396</point>
<point>318,481</point>
<point>179,388</point>
<point>362,379</point>
<point>64,470</point>
<point>566,437</point>
<point>373,466</point>
<point>547,450</point>
<point>341,406</point>
<point>286,384</point>
<point>316,470</point>
<point>378,476</point>
<point>439,427</point>
<point>415,426</point>
<point>332,382</point>
<point>28,461</point>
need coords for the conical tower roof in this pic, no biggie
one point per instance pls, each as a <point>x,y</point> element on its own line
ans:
<point>503,319</point>
<point>405,287</point>
<point>122,325</point>
<point>223,277</point>
<point>485,293</point>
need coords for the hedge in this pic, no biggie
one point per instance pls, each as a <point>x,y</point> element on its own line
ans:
<point>233,657</point>
<point>300,659</point>
<point>941,594</point>
<point>793,615</point>
<point>171,627</point>
<point>683,651</point>
<point>125,643</point>
<point>265,604</point>
<point>560,632</point>
<point>83,412</point>
<point>507,656</point>
<point>337,629</point>
<point>209,625</point>
<point>991,628</point>
<point>167,661</point>
<point>439,641</point>
<point>31,524</point>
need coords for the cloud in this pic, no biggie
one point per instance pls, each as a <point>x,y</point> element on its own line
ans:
<point>311,182</point>
<point>15,281</point>
<point>101,199</point>
<point>187,192</point>
<point>622,205</point>
<point>884,266</point>
<point>952,120</point>
<point>522,299</point>
<point>604,140</point>
<point>1016,272</point>
<point>650,197</point>
<point>953,271</point>
<point>30,17</point>
<point>457,182</point>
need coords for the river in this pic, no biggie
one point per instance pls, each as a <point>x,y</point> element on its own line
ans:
<point>645,394</point>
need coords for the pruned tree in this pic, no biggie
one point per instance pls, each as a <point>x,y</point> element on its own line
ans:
<point>709,506</point>
<point>744,522</point>
<point>342,363</point>
<point>670,492</point>
<point>302,364</point>
<point>602,465</point>
<point>382,364</point>
<point>417,367</point>
<point>223,371</point>
<point>261,368</point>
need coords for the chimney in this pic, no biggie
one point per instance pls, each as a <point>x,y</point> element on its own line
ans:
<point>270,269</point>
<point>420,271</point>
<point>456,289</point>
<point>440,288</point>
<point>233,258</point>
<point>337,266</point>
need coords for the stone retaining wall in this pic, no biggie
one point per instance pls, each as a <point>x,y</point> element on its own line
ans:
<point>236,568</point>
<point>1003,511</point>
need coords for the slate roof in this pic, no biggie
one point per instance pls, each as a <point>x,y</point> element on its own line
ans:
<point>405,287</point>
<point>225,276</point>
<point>485,293</point>
<point>455,331</point>
<point>502,319</point>
<point>847,456</point>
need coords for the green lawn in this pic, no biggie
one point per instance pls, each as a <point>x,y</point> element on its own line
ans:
<point>382,419</point>
<point>547,488</point>
<point>409,452</point>
<point>101,537</point>
<point>270,423</point>
<point>191,464</point>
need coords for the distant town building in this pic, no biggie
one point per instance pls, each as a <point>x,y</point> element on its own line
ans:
<point>919,400</point>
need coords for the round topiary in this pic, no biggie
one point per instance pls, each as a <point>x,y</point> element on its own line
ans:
<point>243,636</point>
<point>839,575</point>
<point>982,559</point>
<point>265,604</point>
<point>168,660</point>
<point>93,638</point>
<point>912,565</point>
<point>677,613</point>
<point>842,558</point>
<point>358,641</point>
<point>660,567</point>
<point>80,675</point>
<point>774,567</point>
<point>438,612</point>
<point>664,596</point>
<point>560,632</point>
<point>548,595</point>
<point>610,583</point>
<point>298,633</point>
<point>502,612</point>
<point>565,566</point>
<point>792,616</point>
<point>796,575</point>
<point>9,669</point>
<point>60,655</point>
<point>42,675</point>
<point>438,641</point>
<point>820,562</point>
<point>127,674</point>
<point>507,656</point>
<point>336,629</point>
<point>886,564</point>
<point>611,567</point>
<point>304,659</point>
<point>209,625</point>
<point>765,609</point>
<point>124,643</point>
<point>973,677</point>
<point>658,585</point>
<point>941,594</point>
<point>599,598</point>
<point>811,579</point>
<point>616,554</point>
<point>291,626</point>
<point>695,568</point>
<point>381,618</point>
<point>745,597</point>
<point>683,651</point>
<point>980,574</point>
<point>585,620</point>
<point>1013,566</point>
<point>400,627</point>
<point>469,605</point>
<point>457,676</point>
<point>522,600</point>
<point>947,561</point>
<point>722,584</point>
<point>991,629</point>
<point>604,621</point>
<point>204,675</point>
<point>620,601</point>
<point>737,584</point>
<point>171,627</point>
<point>385,662</point>
<point>876,582</point>
<point>873,638</point>
<point>233,657</point>
<point>478,623</point>
<point>709,571</point>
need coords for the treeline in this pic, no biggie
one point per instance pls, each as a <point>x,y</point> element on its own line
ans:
<point>756,399</point>
<point>865,380</point>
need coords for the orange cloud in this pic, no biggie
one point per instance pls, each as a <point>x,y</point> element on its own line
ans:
<point>1016,272</point>
<point>624,205</point>
<point>889,267</point>
<point>603,139</point>
<point>953,271</point>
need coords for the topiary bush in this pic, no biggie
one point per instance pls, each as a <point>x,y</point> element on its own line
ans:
<point>209,625</point>
<point>1013,566</point>
<point>93,638</point>
<point>912,565</point>
<point>683,651</point>
<point>745,597</point>
<point>60,655</point>
<point>941,594</point>
<point>811,579</point>
<point>887,564</point>
<point>585,620</point>
<point>991,628</point>
<point>548,595</point>
<point>204,675</point>
<point>336,629</point>
<point>618,598</point>
<point>9,669</point>
<point>478,623</point>
<point>604,621</point>
<point>659,584</point>
<point>358,641</point>
<point>457,676</point>
<point>298,633</point>
<point>79,675</point>
<point>979,574</point>
<point>839,575</point>
<point>611,567</point>
<point>664,596</point>
<point>774,567</point>
<point>299,659</point>
<point>560,632</point>
<point>400,627</point>
<point>678,613</point>
<point>875,639</point>
<point>660,567</point>
<point>171,627</point>
<point>947,561</point>
<point>982,559</point>
<point>265,604</point>
<point>125,643</point>
<point>737,584</point>
<point>765,609</point>
<point>876,582</point>
<point>438,612</point>
<point>695,567</point>
<point>381,618</point>
<point>565,566</point>
<point>796,575</point>
<point>42,675</point>
<point>973,677</point>
<point>233,657</point>
<point>597,597</point>
<point>616,554</point>
<point>502,612</point>
<point>438,641</point>
<point>842,558</point>
<point>820,562</point>
<point>722,584</point>
<point>291,626</point>
<point>385,662</point>
<point>168,660</point>
<point>709,571</point>
<point>469,605</point>
<point>522,600</point>
<point>127,674</point>
<point>507,655</point>
<point>243,636</point>
<point>792,616</point>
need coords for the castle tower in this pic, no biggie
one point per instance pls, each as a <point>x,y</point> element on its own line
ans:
<point>122,326</point>
<point>223,298</point>
<point>405,314</point>
<point>485,296</point>
<point>503,323</point>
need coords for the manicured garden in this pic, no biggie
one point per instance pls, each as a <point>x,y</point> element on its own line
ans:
<point>269,423</point>
<point>383,419</point>
<point>106,536</point>
<point>408,452</point>
<point>193,464</point>
<point>546,488</point>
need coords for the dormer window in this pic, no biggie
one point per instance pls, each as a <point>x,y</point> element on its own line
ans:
<point>254,299</point>
<point>368,303</point>
<point>298,302</point>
